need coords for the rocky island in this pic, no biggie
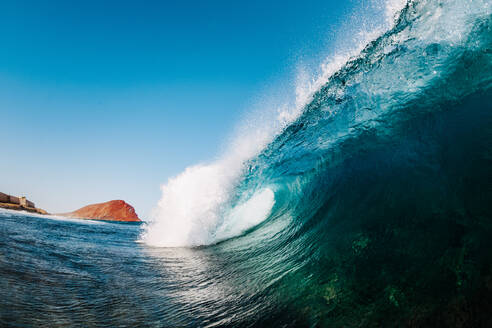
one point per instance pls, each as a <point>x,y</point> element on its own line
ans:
<point>19,204</point>
<point>114,210</point>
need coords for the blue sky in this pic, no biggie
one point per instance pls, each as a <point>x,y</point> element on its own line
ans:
<point>105,100</point>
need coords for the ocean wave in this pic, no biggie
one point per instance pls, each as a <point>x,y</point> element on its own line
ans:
<point>435,52</point>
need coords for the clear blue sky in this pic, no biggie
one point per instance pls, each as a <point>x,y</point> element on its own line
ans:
<point>105,100</point>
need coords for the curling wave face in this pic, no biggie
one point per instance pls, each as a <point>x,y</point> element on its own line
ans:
<point>383,173</point>
<point>404,72</point>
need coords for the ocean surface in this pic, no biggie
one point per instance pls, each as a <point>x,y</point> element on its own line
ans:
<point>371,208</point>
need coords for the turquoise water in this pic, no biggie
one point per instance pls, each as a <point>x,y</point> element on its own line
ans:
<point>376,208</point>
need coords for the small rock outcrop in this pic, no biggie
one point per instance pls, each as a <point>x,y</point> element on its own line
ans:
<point>15,203</point>
<point>114,210</point>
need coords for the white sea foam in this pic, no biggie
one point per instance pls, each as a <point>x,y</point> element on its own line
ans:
<point>247,215</point>
<point>193,207</point>
<point>191,210</point>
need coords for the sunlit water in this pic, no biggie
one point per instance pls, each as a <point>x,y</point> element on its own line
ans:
<point>83,273</point>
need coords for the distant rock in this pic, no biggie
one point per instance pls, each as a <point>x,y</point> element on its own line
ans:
<point>114,210</point>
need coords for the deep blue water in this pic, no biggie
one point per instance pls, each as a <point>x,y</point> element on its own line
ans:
<point>382,212</point>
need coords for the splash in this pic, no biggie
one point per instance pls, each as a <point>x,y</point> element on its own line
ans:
<point>193,206</point>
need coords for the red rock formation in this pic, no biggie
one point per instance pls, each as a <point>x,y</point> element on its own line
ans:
<point>114,210</point>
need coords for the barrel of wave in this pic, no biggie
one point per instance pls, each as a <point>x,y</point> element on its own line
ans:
<point>188,216</point>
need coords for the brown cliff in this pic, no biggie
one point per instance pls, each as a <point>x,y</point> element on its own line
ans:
<point>10,202</point>
<point>114,210</point>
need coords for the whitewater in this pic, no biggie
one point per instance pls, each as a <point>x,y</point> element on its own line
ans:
<point>365,203</point>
